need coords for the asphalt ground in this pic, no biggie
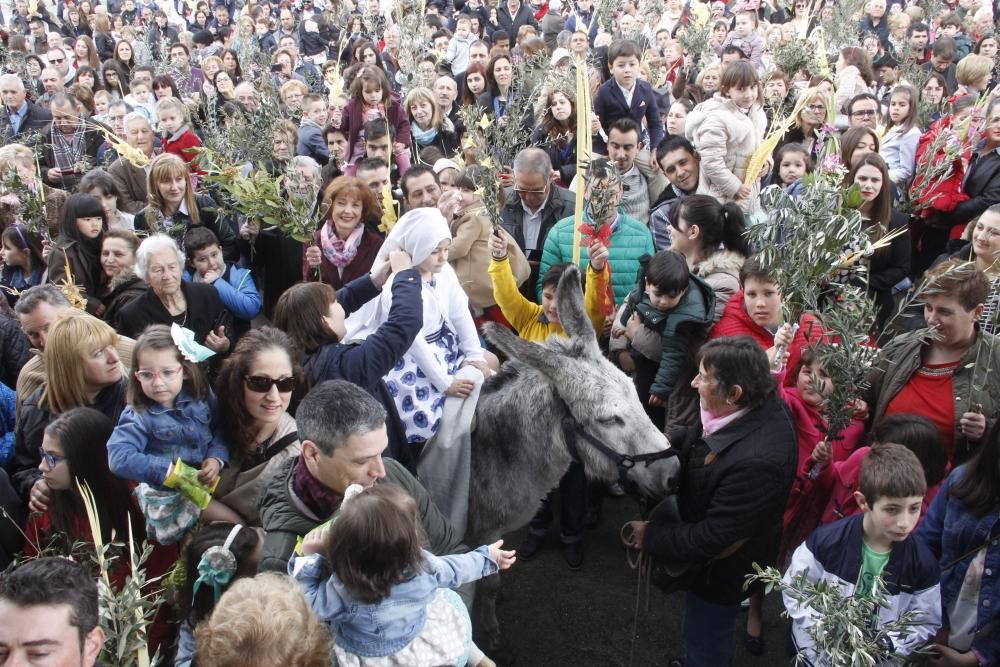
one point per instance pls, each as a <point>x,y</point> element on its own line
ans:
<point>552,616</point>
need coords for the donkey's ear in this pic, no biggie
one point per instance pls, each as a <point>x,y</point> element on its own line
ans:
<point>572,312</point>
<point>515,347</point>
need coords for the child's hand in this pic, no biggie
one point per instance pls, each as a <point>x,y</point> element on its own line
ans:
<point>743,192</point>
<point>632,326</point>
<point>209,471</point>
<point>449,204</point>
<point>249,229</point>
<point>460,388</point>
<point>626,362</point>
<point>498,245</point>
<point>503,559</point>
<point>783,335</point>
<point>598,255</point>
<point>860,408</point>
<point>617,331</point>
<point>314,257</point>
<point>656,401</point>
<point>398,148</point>
<point>822,453</point>
<point>314,542</point>
<point>47,248</point>
<point>211,276</point>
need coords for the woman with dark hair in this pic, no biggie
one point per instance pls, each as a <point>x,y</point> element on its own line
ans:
<point>255,387</point>
<point>200,592</point>
<point>76,254</point>
<point>711,236</point>
<point>499,77</point>
<point>87,77</point>
<point>556,132</point>
<point>888,266</point>
<point>74,452</point>
<point>738,466</point>
<point>474,84</point>
<point>857,142</point>
<point>313,314</point>
<point>125,56</point>
<point>231,65</point>
<point>961,530</point>
<point>122,287</point>
<point>164,86</point>
<point>114,78</point>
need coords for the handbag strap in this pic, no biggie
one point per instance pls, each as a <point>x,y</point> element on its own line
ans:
<point>280,444</point>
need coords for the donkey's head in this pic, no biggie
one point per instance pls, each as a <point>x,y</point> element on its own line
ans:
<point>598,395</point>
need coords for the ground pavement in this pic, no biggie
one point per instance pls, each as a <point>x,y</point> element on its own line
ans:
<point>552,616</point>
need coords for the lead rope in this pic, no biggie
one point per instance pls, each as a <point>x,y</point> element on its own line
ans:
<point>643,565</point>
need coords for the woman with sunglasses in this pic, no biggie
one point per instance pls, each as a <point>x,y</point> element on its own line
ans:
<point>255,387</point>
<point>313,315</point>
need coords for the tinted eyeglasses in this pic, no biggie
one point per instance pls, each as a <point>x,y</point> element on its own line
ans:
<point>51,460</point>
<point>262,384</point>
<point>863,113</point>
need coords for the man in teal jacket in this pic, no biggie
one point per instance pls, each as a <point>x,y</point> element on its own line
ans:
<point>629,239</point>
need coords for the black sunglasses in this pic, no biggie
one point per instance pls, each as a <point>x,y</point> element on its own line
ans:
<point>262,384</point>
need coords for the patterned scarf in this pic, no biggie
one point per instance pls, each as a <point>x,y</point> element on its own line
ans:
<point>67,148</point>
<point>340,253</point>
<point>320,500</point>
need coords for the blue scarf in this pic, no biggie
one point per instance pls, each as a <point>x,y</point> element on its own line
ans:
<point>423,137</point>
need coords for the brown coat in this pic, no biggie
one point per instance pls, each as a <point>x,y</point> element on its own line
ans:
<point>132,182</point>
<point>470,257</point>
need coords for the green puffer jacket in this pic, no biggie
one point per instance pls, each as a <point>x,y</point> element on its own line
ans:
<point>630,241</point>
<point>901,358</point>
<point>285,518</point>
<point>680,329</point>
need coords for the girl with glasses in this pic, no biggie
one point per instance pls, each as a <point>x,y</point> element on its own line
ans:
<point>172,419</point>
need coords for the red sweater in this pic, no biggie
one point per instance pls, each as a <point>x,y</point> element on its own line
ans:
<point>735,321</point>
<point>182,148</point>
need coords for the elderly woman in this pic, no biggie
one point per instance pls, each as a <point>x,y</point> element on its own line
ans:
<point>292,93</point>
<point>83,369</point>
<point>815,111</point>
<point>255,386</point>
<point>122,286</point>
<point>731,510</point>
<point>170,300</point>
<point>174,207</point>
<point>344,248</point>
<point>944,378</point>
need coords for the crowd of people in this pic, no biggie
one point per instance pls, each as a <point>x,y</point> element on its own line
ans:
<point>232,391</point>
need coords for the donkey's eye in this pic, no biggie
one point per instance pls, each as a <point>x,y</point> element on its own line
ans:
<point>611,421</point>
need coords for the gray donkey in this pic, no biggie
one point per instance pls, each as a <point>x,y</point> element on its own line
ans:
<point>519,447</point>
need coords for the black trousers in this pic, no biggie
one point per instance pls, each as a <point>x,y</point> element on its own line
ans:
<point>572,508</point>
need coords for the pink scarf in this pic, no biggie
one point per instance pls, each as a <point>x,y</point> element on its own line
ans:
<point>340,253</point>
<point>710,423</point>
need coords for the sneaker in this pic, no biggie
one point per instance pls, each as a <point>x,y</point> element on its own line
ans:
<point>573,553</point>
<point>532,543</point>
<point>616,489</point>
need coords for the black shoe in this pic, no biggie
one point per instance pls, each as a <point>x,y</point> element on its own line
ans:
<point>675,662</point>
<point>532,543</point>
<point>753,644</point>
<point>592,518</point>
<point>573,553</point>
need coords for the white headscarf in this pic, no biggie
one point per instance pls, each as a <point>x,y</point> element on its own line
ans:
<point>418,232</point>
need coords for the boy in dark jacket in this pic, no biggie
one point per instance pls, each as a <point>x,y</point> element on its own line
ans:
<point>674,310</point>
<point>853,552</point>
<point>626,95</point>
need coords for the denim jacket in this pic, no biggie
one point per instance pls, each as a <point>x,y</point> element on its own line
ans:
<point>383,628</point>
<point>951,532</point>
<point>146,442</point>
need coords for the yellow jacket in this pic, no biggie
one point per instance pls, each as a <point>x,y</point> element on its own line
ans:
<point>526,317</point>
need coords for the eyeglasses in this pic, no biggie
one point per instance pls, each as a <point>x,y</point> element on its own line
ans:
<point>818,108</point>
<point>261,384</point>
<point>167,374</point>
<point>522,191</point>
<point>51,460</point>
<point>54,61</point>
<point>863,114</point>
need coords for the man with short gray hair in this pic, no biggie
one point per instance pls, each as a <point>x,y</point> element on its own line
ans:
<point>21,116</point>
<point>72,146</point>
<point>343,434</point>
<point>532,206</point>
<point>131,180</point>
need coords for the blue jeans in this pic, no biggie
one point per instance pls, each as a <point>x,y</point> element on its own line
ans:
<point>708,632</point>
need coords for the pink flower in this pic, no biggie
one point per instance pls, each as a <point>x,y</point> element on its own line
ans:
<point>831,162</point>
<point>10,200</point>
